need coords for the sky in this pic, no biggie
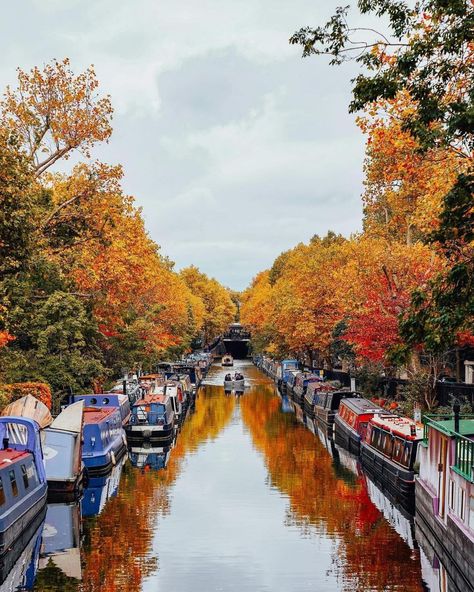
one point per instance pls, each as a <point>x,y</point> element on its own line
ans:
<point>235,147</point>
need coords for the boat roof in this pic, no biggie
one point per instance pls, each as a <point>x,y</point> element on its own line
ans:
<point>29,407</point>
<point>10,455</point>
<point>361,406</point>
<point>70,419</point>
<point>398,425</point>
<point>152,398</point>
<point>151,376</point>
<point>98,414</point>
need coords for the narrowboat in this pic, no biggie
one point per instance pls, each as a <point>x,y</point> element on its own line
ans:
<point>62,448</point>
<point>153,418</point>
<point>227,360</point>
<point>129,386</point>
<point>174,389</point>
<point>350,422</point>
<point>155,458</point>
<point>302,381</point>
<point>311,396</point>
<point>445,495</point>
<point>289,382</point>
<point>388,453</point>
<point>61,544</point>
<point>282,369</point>
<point>104,441</point>
<point>192,370</point>
<point>327,404</point>
<point>107,401</point>
<point>23,486</point>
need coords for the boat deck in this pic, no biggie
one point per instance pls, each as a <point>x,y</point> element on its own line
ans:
<point>97,414</point>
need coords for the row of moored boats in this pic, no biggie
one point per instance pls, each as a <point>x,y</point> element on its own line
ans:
<point>43,458</point>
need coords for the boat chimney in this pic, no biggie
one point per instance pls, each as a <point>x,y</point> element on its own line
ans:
<point>124,384</point>
<point>413,429</point>
<point>456,411</point>
<point>6,442</point>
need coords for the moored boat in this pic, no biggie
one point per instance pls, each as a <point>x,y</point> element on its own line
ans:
<point>302,381</point>
<point>351,420</point>
<point>63,453</point>
<point>104,440</point>
<point>326,405</point>
<point>152,418</point>
<point>389,452</point>
<point>23,486</point>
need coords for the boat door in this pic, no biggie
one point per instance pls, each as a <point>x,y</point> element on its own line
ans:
<point>442,471</point>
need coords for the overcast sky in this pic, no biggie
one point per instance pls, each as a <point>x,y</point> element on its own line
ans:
<point>235,147</point>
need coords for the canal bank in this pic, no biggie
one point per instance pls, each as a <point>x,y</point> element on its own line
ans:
<point>250,499</point>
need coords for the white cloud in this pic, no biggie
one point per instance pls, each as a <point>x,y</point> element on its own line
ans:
<point>234,146</point>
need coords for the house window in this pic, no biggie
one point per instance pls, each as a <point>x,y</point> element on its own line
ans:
<point>13,483</point>
<point>462,502</point>
<point>451,495</point>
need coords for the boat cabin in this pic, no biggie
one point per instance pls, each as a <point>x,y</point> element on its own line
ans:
<point>395,437</point>
<point>153,417</point>
<point>103,438</point>
<point>326,404</point>
<point>107,401</point>
<point>351,421</point>
<point>23,487</point>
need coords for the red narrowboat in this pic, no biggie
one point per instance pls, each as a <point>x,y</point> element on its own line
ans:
<point>351,422</point>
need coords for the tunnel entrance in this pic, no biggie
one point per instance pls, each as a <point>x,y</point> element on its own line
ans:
<point>237,349</point>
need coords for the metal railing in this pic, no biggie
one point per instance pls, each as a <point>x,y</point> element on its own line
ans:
<point>464,447</point>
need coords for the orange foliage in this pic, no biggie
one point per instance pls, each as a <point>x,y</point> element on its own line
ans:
<point>39,390</point>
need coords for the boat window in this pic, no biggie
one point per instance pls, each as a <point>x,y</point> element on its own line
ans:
<point>2,493</point>
<point>24,474</point>
<point>13,482</point>
<point>397,449</point>
<point>388,445</point>
<point>406,454</point>
<point>105,401</point>
<point>93,401</point>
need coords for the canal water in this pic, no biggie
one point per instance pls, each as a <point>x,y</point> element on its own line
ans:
<point>249,500</point>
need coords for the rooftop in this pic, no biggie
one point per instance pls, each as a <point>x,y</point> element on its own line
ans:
<point>10,455</point>
<point>399,425</point>
<point>466,425</point>
<point>361,406</point>
<point>98,414</point>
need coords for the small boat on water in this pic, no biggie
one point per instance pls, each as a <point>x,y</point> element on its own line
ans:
<point>389,452</point>
<point>234,384</point>
<point>62,449</point>
<point>104,441</point>
<point>350,422</point>
<point>153,418</point>
<point>23,486</point>
<point>227,360</point>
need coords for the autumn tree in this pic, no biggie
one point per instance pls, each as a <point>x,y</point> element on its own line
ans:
<point>220,310</point>
<point>53,112</point>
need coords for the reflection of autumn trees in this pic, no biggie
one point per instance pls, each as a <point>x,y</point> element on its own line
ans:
<point>370,555</point>
<point>118,552</point>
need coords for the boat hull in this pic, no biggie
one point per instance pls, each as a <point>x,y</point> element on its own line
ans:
<point>346,437</point>
<point>152,433</point>
<point>103,462</point>
<point>12,529</point>
<point>399,481</point>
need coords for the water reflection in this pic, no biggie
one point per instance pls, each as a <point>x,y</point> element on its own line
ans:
<point>247,499</point>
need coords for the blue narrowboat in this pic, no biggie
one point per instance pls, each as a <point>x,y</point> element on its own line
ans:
<point>283,369</point>
<point>104,441</point>
<point>107,401</point>
<point>23,486</point>
<point>153,418</point>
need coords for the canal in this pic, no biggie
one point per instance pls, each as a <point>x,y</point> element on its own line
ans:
<point>249,499</point>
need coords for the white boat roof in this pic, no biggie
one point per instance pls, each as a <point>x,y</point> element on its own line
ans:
<point>70,419</point>
<point>398,425</point>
